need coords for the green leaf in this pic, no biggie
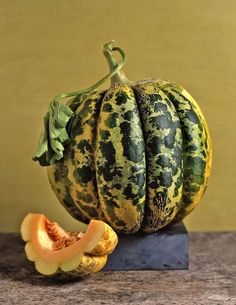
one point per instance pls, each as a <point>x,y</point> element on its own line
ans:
<point>55,136</point>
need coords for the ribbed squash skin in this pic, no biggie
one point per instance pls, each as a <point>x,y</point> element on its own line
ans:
<point>139,158</point>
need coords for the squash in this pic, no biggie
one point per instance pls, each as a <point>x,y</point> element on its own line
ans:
<point>139,157</point>
<point>57,252</point>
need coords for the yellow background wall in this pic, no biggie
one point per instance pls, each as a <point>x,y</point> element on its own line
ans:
<point>50,47</point>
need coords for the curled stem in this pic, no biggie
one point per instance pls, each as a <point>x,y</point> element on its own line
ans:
<point>115,74</point>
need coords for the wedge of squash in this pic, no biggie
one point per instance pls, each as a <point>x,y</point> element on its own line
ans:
<point>56,251</point>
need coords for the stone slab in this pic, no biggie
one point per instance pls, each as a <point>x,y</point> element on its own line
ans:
<point>167,249</point>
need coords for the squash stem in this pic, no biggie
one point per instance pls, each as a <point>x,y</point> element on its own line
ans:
<point>119,76</point>
<point>115,74</point>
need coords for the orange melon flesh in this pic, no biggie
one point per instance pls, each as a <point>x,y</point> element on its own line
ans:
<point>86,255</point>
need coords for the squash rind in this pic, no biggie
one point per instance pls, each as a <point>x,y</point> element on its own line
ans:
<point>120,184</point>
<point>196,147</point>
<point>85,256</point>
<point>163,143</point>
<point>120,160</point>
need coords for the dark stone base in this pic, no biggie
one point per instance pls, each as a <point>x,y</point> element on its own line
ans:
<point>166,249</point>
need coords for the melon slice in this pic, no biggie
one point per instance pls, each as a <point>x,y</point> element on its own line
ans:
<point>56,251</point>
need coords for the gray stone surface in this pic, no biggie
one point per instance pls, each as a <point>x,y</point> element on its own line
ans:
<point>210,280</point>
<point>167,249</point>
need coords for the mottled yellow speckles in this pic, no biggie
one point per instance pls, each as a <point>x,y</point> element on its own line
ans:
<point>122,199</point>
<point>56,185</point>
<point>197,147</point>
<point>207,133</point>
<point>152,127</point>
<point>82,167</point>
<point>163,139</point>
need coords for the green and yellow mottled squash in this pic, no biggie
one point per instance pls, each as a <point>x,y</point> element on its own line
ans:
<point>59,253</point>
<point>139,157</point>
